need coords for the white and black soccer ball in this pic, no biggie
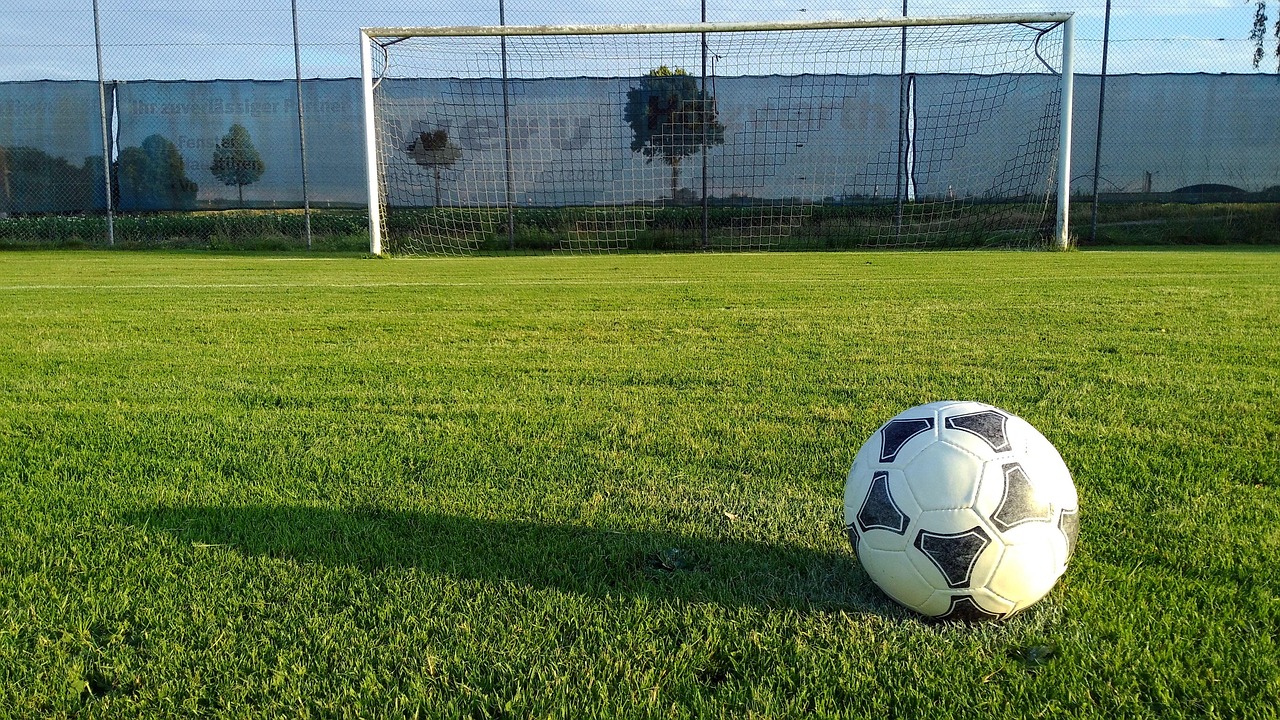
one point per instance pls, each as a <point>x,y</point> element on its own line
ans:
<point>960,510</point>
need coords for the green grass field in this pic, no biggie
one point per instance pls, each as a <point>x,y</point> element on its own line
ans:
<point>300,486</point>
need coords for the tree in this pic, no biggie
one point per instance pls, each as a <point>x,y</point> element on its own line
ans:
<point>433,149</point>
<point>153,176</point>
<point>32,181</point>
<point>1259,35</point>
<point>236,161</point>
<point>671,119</point>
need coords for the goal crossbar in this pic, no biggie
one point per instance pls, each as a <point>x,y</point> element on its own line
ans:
<point>712,27</point>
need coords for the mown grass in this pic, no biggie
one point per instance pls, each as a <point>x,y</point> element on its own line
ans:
<point>283,486</point>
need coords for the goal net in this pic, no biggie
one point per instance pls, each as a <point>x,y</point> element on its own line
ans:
<point>915,132</point>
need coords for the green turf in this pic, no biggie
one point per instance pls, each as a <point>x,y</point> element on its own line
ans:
<point>291,486</point>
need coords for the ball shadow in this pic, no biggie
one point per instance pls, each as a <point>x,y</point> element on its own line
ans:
<point>573,558</point>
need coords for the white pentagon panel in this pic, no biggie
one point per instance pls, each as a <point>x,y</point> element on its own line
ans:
<point>1034,532</point>
<point>944,477</point>
<point>990,489</point>
<point>856,485</point>
<point>1027,572</point>
<point>936,604</point>
<point>1019,432</point>
<point>988,563</point>
<point>895,576</point>
<point>1051,536</point>
<point>1051,472</point>
<point>951,521</point>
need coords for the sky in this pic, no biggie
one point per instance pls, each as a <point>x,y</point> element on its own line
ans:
<point>252,39</point>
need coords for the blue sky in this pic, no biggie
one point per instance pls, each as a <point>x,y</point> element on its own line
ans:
<point>150,39</point>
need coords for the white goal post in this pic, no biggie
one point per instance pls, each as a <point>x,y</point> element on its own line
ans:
<point>915,131</point>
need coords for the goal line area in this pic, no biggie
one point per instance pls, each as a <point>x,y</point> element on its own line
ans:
<point>907,133</point>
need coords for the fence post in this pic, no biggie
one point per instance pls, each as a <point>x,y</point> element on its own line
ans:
<point>106,134</point>
<point>705,120</point>
<point>506,133</point>
<point>1097,138</point>
<point>900,188</point>
<point>302,131</point>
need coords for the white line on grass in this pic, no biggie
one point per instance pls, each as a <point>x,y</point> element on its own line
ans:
<point>243,286</point>
<point>760,278</point>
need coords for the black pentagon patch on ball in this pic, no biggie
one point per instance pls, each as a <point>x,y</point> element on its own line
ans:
<point>965,609</point>
<point>987,424</point>
<point>1069,524</point>
<point>879,510</point>
<point>1019,503</point>
<point>896,433</point>
<point>954,555</point>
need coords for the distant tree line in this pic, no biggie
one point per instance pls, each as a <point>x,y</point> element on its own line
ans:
<point>32,181</point>
<point>150,176</point>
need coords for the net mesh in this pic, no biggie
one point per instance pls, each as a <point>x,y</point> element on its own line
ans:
<point>770,139</point>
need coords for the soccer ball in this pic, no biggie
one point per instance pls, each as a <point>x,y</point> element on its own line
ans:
<point>962,511</point>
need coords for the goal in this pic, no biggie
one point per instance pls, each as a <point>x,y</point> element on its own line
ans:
<point>902,132</point>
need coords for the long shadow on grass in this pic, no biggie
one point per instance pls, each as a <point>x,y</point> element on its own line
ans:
<point>577,559</point>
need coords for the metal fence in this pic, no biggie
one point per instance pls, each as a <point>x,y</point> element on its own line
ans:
<point>138,123</point>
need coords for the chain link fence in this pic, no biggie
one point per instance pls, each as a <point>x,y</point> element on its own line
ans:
<point>238,125</point>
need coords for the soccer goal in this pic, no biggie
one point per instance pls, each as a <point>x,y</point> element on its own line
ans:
<point>903,132</point>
